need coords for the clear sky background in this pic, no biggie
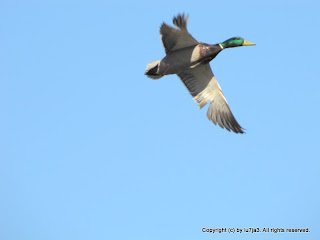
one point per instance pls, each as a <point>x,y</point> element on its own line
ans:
<point>93,149</point>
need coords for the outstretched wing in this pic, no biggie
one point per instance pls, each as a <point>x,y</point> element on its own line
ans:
<point>174,39</point>
<point>204,88</point>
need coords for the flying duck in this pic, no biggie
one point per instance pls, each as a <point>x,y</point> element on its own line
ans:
<point>189,59</point>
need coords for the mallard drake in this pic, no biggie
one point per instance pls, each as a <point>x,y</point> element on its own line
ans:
<point>189,59</point>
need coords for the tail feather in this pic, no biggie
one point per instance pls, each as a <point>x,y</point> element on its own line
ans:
<point>152,69</point>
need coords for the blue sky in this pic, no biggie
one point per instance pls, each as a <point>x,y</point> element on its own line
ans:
<point>93,149</point>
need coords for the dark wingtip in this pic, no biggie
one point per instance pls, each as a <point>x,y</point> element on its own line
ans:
<point>181,21</point>
<point>241,130</point>
<point>225,120</point>
<point>235,126</point>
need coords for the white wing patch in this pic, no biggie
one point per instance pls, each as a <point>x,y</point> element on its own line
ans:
<point>204,88</point>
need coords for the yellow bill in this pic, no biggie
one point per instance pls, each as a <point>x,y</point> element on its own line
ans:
<point>246,43</point>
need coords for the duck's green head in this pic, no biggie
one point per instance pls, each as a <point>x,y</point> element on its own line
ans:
<point>235,42</point>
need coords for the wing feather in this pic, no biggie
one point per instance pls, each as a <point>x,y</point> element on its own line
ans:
<point>174,39</point>
<point>204,88</point>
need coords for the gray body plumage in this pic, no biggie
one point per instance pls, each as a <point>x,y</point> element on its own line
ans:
<point>189,59</point>
<point>170,65</point>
